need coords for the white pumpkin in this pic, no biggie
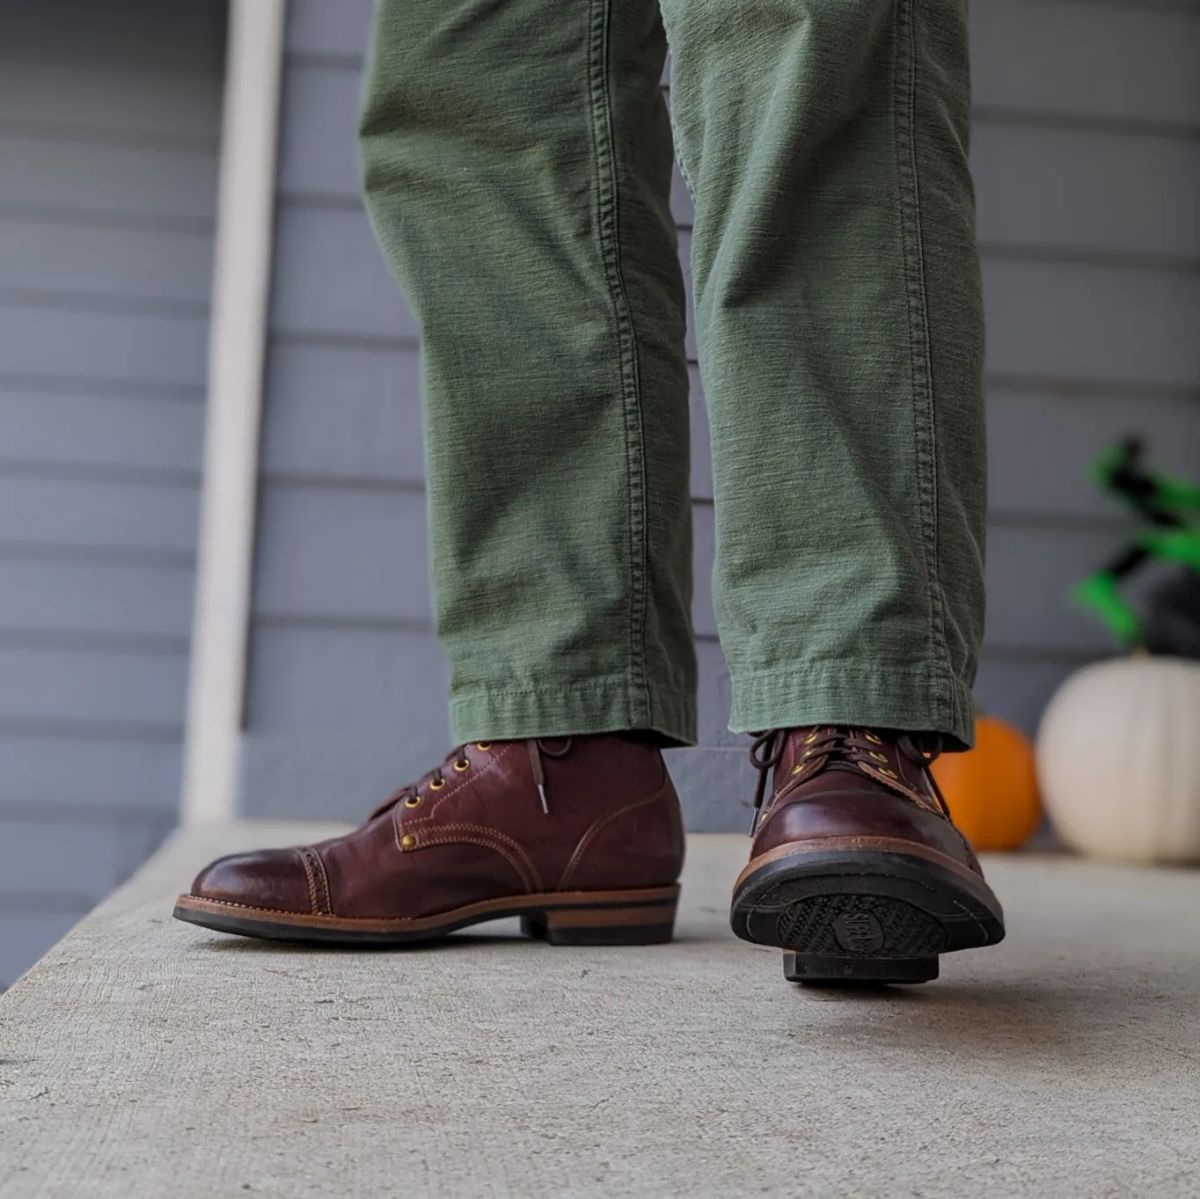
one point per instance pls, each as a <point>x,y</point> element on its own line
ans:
<point>1119,760</point>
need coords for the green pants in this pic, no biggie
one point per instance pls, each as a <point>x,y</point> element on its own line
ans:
<point>518,157</point>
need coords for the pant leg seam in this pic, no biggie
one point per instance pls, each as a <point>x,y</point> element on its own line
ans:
<point>608,227</point>
<point>677,141</point>
<point>920,358</point>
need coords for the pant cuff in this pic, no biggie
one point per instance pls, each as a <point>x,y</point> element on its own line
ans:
<point>597,706</point>
<point>886,699</point>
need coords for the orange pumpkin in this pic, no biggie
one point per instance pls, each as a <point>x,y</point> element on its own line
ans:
<point>992,789</point>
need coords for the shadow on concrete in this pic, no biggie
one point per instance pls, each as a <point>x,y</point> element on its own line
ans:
<point>1077,1023</point>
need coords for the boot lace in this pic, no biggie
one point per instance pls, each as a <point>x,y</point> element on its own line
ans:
<point>845,747</point>
<point>457,762</point>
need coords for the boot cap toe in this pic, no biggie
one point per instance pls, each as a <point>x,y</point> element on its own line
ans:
<point>269,878</point>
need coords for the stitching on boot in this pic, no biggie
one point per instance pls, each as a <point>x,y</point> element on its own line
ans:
<point>308,874</point>
<point>532,886</point>
<point>530,870</point>
<point>496,758</point>
<point>596,829</point>
<point>318,881</point>
<point>401,822</point>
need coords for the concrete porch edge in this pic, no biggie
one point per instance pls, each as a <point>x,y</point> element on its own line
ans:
<point>142,1056</point>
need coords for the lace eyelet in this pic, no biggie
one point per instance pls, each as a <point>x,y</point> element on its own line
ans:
<point>797,769</point>
<point>890,773</point>
<point>437,784</point>
<point>412,801</point>
<point>872,738</point>
<point>810,738</point>
<point>483,746</point>
<point>462,765</point>
<point>878,757</point>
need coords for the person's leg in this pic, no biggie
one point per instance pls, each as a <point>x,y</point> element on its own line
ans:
<point>840,337</point>
<point>838,314</point>
<point>518,167</point>
<point>517,162</point>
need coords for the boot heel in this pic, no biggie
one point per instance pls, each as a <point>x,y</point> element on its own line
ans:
<point>826,971</point>
<point>637,924</point>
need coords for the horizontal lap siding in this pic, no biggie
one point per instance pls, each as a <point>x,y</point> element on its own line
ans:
<point>1087,158</point>
<point>63,343</point>
<point>112,267</point>
<point>109,131</point>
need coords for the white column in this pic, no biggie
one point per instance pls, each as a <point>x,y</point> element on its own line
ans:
<point>237,344</point>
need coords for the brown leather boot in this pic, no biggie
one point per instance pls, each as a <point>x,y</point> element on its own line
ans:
<point>580,837</point>
<point>856,869</point>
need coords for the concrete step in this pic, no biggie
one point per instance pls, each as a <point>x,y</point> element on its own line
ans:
<point>145,1057</point>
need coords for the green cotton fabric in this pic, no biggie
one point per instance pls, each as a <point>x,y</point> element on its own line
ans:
<point>517,161</point>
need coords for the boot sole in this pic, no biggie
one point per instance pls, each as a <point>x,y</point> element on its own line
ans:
<point>636,917</point>
<point>863,910</point>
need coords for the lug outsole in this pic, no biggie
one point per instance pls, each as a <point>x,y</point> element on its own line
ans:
<point>864,916</point>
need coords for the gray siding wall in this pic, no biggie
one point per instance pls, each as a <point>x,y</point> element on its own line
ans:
<point>109,124</point>
<point>1087,156</point>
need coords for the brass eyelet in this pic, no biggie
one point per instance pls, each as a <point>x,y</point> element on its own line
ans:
<point>408,841</point>
<point>461,765</point>
<point>412,801</point>
<point>878,757</point>
<point>797,769</point>
<point>483,746</point>
<point>872,738</point>
<point>890,773</point>
<point>811,737</point>
<point>437,784</point>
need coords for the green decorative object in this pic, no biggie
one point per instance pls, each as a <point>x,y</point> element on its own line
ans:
<point>1170,624</point>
